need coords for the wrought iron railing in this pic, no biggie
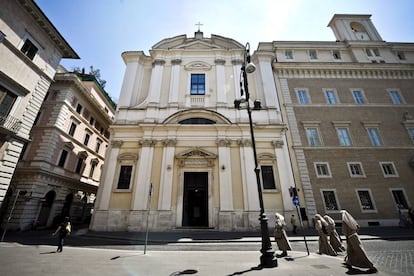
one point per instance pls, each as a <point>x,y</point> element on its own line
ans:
<point>10,123</point>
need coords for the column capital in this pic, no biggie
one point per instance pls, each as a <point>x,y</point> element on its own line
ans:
<point>278,143</point>
<point>158,62</point>
<point>220,61</point>
<point>116,143</point>
<point>223,142</point>
<point>169,142</point>
<point>147,142</point>
<point>176,61</point>
<point>245,142</point>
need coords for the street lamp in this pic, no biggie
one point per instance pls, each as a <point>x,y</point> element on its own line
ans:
<point>267,259</point>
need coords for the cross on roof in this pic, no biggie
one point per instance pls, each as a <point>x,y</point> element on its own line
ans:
<point>199,24</point>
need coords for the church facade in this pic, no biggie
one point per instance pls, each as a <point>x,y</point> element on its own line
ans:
<point>180,154</point>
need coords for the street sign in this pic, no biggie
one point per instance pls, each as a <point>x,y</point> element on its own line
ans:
<point>295,200</point>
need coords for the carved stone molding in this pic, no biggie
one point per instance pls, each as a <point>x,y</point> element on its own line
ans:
<point>223,142</point>
<point>176,61</point>
<point>158,62</point>
<point>116,143</point>
<point>278,143</point>
<point>196,157</point>
<point>245,142</point>
<point>237,62</point>
<point>147,142</point>
<point>169,142</point>
<point>219,61</point>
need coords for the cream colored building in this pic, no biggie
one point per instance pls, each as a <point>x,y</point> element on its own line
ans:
<point>30,51</point>
<point>349,106</point>
<point>61,167</point>
<point>180,148</point>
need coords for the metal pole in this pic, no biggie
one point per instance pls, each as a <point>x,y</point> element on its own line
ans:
<point>267,259</point>
<point>148,213</point>
<point>301,226</point>
<point>10,215</point>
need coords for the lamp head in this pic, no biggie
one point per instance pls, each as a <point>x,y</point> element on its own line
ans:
<point>250,67</point>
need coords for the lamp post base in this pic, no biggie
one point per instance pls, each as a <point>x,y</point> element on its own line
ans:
<point>267,259</point>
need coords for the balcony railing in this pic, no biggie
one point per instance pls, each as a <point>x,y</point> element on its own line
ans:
<point>10,123</point>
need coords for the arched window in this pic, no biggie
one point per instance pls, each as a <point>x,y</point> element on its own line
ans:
<point>196,121</point>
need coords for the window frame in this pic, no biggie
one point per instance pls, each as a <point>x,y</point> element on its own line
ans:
<point>333,191</point>
<point>336,55</point>
<point>305,93</point>
<point>289,55</point>
<point>313,54</point>
<point>350,170</point>
<point>334,93</point>
<point>374,136</point>
<point>273,178</point>
<point>403,193</point>
<point>410,132</point>
<point>384,172</point>
<point>30,43</point>
<point>197,83</point>
<point>310,139</point>
<point>359,99</point>
<point>344,141</point>
<point>371,200</point>
<point>326,166</point>
<point>396,96</point>
<point>63,158</point>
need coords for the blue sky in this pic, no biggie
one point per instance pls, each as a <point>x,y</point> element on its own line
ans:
<point>100,30</point>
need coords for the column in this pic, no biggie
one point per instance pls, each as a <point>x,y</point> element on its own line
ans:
<point>236,77</point>
<point>156,81</point>
<point>167,171</point>
<point>128,84</point>
<point>174,82</point>
<point>284,168</point>
<point>250,191</point>
<point>143,175</point>
<point>225,180</point>
<point>269,89</point>
<point>221,83</point>
<point>105,188</point>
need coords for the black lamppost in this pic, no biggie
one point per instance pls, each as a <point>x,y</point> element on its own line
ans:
<point>267,259</point>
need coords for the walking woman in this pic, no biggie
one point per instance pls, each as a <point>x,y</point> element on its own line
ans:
<point>324,246</point>
<point>355,253</point>
<point>280,236</point>
<point>334,238</point>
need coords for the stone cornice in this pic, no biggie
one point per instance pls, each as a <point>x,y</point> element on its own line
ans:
<point>344,71</point>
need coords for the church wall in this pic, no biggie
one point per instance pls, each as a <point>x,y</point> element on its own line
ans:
<point>236,177</point>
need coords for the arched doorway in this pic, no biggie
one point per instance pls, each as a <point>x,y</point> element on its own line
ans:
<point>44,213</point>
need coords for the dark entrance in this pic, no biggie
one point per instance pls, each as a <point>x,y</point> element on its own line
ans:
<point>195,199</point>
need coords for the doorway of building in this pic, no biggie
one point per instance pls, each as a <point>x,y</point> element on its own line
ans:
<point>195,199</point>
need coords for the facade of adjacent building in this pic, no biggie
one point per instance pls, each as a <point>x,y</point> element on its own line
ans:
<point>62,164</point>
<point>180,152</point>
<point>30,51</point>
<point>349,106</point>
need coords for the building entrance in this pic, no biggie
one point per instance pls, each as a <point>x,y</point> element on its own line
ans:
<point>195,199</point>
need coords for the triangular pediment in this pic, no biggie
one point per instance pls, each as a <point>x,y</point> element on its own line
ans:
<point>196,152</point>
<point>193,43</point>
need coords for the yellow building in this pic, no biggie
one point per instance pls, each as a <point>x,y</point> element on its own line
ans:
<point>180,148</point>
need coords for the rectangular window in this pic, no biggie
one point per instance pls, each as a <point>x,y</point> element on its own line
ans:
<point>93,167</point>
<point>401,56</point>
<point>29,49</point>
<point>98,145</point>
<point>322,170</point>
<point>7,100</point>
<point>400,199</point>
<point>313,55</point>
<point>268,178</point>
<point>72,129</point>
<point>79,108</point>
<point>369,53</point>
<point>411,134</point>
<point>374,136</point>
<point>388,169</point>
<point>288,54</point>
<point>336,54</point>
<point>396,97</point>
<point>86,140</point>
<point>79,165</point>
<point>365,200</point>
<point>91,121</point>
<point>376,52</point>
<point>198,84</point>
<point>313,137</point>
<point>344,138</point>
<point>62,159</point>
<point>124,177</point>
<point>358,96</point>
<point>329,199</point>
<point>303,97</point>
<point>355,169</point>
<point>330,96</point>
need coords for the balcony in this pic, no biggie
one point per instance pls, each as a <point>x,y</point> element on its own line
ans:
<point>10,123</point>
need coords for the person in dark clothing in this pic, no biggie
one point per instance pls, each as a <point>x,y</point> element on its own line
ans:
<point>63,230</point>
